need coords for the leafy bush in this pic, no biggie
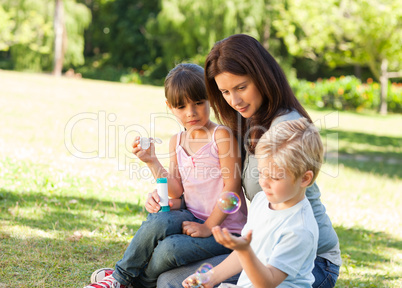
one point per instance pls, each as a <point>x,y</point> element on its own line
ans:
<point>346,93</point>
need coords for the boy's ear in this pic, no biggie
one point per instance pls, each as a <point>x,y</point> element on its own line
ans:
<point>168,105</point>
<point>306,179</point>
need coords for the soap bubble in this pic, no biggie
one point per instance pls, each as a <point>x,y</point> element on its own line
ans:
<point>203,275</point>
<point>229,202</point>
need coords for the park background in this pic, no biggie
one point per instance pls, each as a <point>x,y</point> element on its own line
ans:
<point>80,79</point>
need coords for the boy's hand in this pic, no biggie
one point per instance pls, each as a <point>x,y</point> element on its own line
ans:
<point>223,237</point>
<point>195,229</point>
<point>145,156</point>
<point>192,281</point>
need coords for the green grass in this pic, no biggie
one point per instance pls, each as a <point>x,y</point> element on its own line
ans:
<point>63,216</point>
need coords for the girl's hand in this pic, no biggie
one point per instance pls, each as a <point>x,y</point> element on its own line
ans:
<point>151,205</point>
<point>145,156</point>
<point>192,281</point>
<point>222,236</point>
<point>195,229</point>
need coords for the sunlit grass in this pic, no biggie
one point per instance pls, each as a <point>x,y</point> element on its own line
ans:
<point>71,201</point>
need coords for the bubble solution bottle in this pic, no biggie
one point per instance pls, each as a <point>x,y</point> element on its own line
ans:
<point>162,188</point>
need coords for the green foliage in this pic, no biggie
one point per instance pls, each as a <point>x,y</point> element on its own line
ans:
<point>77,19</point>
<point>119,29</point>
<point>186,29</point>
<point>346,93</point>
<point>27,27</point>
<point>373,31</point>
<point>6,27</point>
<point>30,43</point>
<point>394,99</point>
<point>343,32</point>
<point>97,35</point>
<point>99,67</point>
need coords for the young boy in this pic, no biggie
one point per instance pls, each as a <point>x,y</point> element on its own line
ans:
<point>279,241</point>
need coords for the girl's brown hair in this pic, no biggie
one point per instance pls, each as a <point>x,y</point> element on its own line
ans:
<point>241,55</point>
<point>185,82</point>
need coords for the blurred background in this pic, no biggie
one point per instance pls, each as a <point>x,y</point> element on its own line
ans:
<point>138,41</point>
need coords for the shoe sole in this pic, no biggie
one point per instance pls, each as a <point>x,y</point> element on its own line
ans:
<point>99,274</point>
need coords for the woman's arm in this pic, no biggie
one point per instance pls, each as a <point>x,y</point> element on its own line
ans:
<point>230,160</point>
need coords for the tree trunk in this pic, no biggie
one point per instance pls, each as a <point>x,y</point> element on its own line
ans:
<point>58,38</point>
<point>358,71</point>
<point>384,87</point>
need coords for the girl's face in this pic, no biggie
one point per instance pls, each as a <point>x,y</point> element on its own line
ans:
<point>240,92</point>
<point>192,115</point>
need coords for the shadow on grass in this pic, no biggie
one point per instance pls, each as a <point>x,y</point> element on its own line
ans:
<point>64,213</point>
<point>364,138</point>
<point>27,259</point>
<point>387,161</point>
<point>37,261</point>
<point>374,167</point>
<point>367,250</point>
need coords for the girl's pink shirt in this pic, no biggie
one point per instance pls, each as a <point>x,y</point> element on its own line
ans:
<point>202,182</point>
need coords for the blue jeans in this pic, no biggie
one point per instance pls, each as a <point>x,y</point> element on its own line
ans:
<point>325,273</point>
<point>159,245</point>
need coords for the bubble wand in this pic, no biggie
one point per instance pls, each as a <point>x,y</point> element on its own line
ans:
<point>145,142</point>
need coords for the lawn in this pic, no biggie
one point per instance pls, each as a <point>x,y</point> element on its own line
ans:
<point>72,195</point>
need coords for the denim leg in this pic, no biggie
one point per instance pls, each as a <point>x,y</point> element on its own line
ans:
<point>173,278</point>
<point>157,227</point>
<point>325,273</point>
<point>178,250</point>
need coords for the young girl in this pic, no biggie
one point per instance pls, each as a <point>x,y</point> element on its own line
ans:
<point>203,160</point>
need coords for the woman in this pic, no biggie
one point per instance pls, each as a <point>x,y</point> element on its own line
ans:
<point>250,94</point>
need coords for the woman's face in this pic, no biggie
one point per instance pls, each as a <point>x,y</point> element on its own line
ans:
<point>240,92</point>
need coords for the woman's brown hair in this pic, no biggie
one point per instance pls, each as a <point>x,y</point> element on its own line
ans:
<point>241,55</point>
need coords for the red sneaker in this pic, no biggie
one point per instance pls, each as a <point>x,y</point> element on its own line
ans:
<point>107,282</point>
<point>99,274</point>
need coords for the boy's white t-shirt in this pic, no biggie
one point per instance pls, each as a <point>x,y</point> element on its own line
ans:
<point>286,239</point>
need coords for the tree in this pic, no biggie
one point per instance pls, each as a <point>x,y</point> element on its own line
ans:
<point>60,38</point>
<point>77,19</point>
<point>363,32</point>
<point>6,28</point>
<point>32,41</point>
<point>187,29</point>
<point>118,31</point>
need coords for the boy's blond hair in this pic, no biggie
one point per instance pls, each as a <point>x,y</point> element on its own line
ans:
<point>293,145</point>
